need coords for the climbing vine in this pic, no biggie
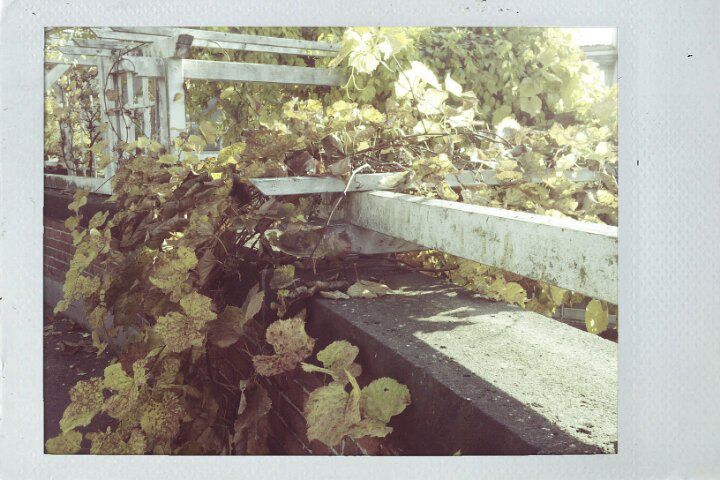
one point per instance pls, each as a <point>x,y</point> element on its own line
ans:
<point>204,273</point>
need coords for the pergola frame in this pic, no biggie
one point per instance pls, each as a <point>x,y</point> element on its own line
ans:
<point>128,58</point>
<point>571,254</point>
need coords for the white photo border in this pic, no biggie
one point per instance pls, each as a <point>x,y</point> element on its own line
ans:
<point>669,354</point>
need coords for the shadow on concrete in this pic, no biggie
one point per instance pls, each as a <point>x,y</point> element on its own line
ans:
<point>476,369</point>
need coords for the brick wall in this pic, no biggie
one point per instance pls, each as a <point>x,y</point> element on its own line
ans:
<point>288,393</point>
<point>288,422</point>
<point>58,251</point>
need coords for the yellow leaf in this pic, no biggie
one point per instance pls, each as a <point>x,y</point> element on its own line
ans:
<point>368,289</point>
<point>596,316</point>
<point>557,294</point>
<point>446,193</point>
<point>509,177</point>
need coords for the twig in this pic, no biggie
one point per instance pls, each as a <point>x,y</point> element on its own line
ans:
<point>424,269</point>
<point>332,212</point>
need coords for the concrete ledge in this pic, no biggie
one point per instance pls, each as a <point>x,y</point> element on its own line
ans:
<point>57,201</point>
<point>486,377</point>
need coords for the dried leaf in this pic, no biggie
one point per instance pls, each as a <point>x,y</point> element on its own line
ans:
<point>65,443</point>
<point>369,427</point>
<point>368,289</point>
<point>291,344</point>
<point>341,167</point>
<point>86,400</point>
<point>206,265</point>
<point>334,295</point>
<point>160,420</point>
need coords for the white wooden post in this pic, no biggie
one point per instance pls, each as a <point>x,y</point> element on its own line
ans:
<point>104,83</point>
<point>146,111</point>
<point>161,108</point>
<point>175,99</point>
<point>130,101</point>
<point>67,132</point>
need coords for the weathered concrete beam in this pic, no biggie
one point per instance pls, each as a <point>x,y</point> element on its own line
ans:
<point>384,181</point>
<point>567,253</point>
<point>93,184</point>
<point>486,378</point>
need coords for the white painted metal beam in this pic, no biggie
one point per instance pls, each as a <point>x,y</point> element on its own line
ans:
<point>567,253</point>
<point>232,38</point>
<point>255,72</point>
<point>141,66</point>
<point>53,75</point>
<point>383,181</point>
<point>111,39</point>
<point>72,60</point>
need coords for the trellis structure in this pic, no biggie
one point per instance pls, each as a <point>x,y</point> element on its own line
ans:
<point>575,255</point>
<point>145,69</point>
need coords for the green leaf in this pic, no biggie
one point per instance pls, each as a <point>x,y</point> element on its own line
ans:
<point>115,378</point>
<point>452,86</point>
<point>197,142</point>
<point>160,420</point>
<point>531,105</point>
<point>432,101</point>
<point>282,277</point>
<point>71,223</point>
<point>198,306</point>
<point>338,355</point>
<point>369,427</point>
<point>168,159</point>
<point>179,332</point>
<point>86,400</point>
<point>79,199</point>
<point>209,131</point>
<point>501,113</point>
<point>330,413</point>
<point>384,398</point>
<point>566,162</point>
<point>557,294</point>
<point>98,219</point>
<point>530,87</point>
<point>65,443</point>
<point>596,316</point>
